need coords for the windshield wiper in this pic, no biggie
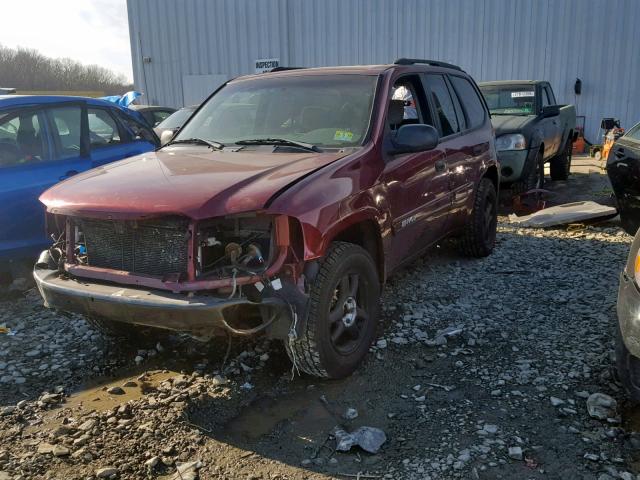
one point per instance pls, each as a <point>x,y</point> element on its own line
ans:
<point>279,141</point>
<point>198,141</point>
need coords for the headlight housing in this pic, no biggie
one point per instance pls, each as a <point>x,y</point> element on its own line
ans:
<point>511,141</point>
<point>633,261</point>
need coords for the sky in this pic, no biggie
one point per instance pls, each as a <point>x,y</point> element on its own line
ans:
<point>88,31</point>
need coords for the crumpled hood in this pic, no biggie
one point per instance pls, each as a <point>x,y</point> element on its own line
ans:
<point>184,180</point>
<point>510,123</point>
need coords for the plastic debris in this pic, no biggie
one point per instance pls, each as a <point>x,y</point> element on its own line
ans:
<point>564,214</point>
<point>5,330</point>
<point>370,439</point>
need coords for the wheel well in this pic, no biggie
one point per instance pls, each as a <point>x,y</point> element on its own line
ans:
<point>367,235</point>
<point>492,174</point>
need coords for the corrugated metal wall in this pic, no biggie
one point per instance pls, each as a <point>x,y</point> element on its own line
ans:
<point>555,40</point>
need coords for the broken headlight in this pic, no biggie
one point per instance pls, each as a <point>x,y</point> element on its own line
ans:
<point>240,244</point>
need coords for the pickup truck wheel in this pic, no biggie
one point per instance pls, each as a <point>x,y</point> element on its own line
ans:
<point>628,368</point>
<point>479,236</point>
<point>133,333</point>
<point>343,314</point>
<point>534,177</point>
<point>560,166</point>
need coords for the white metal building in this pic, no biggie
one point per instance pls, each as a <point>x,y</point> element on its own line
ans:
<point>184,49</point>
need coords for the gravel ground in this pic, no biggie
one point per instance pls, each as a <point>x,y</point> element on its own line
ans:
<point>483,369</point>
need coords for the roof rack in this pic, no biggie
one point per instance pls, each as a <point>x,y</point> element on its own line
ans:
<point>434,63</point>
<point>283,69</point>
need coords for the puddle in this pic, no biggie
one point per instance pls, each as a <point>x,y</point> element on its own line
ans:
<point>94,396</point>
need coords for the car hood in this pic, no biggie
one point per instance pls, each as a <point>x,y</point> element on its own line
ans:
<point>510,123</point>
<point>184,180</point>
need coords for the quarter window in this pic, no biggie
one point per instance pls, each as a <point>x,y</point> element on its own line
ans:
<point>471,102</point>
<point>103,130</point>
<point>443,104</point>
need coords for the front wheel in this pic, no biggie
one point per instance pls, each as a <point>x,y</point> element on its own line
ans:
<point>532,179</point>
<point>479,236</point>
<point>343,314</point>
<point>560,165</point>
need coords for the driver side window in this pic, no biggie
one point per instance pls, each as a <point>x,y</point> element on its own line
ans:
<point>407,105</point>
<point>66,132</point>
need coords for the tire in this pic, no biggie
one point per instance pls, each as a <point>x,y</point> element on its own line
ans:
<point>132,333</point>
<point>479,236</point>
<point>628,368</point>
<point>343,314</point>
<point>532,179</point>
<point>560,165</point>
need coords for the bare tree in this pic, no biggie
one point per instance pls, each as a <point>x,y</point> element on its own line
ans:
<point>28,69</point>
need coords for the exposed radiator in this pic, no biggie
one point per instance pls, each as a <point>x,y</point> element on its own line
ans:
<point>154,247</point>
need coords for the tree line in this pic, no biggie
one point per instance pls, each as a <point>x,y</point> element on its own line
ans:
<point>28,69</point>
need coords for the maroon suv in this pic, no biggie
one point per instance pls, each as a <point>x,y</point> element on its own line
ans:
<point>280,208</point>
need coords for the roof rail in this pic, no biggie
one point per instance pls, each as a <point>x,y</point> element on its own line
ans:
<point>434,63</point>
<point>283,69</point>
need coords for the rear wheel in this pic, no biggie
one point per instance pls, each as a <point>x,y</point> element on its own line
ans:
<point>628,368</point>
<point>343,314</point>
<point>479,236</point>
<point>560,165</point>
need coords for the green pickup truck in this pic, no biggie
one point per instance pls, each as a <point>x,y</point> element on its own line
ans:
<point>531,129</point>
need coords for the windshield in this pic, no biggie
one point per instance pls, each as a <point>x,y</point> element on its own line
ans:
<point>510,99</point>
<point>177,118</point>
<point>323,110</point>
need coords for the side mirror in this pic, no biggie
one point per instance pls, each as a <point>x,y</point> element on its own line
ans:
<point>550,111</point>
<point>415,138</point>
<point>166,136</point>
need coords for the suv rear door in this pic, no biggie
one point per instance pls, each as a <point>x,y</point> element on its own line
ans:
<point>417,183</point>
<point>475,141</point>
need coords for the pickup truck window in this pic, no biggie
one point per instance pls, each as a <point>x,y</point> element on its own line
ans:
<point>443,104</point>
<point>634,133</point>
<point>510,100</point>
<point>331,111</point>
<point>20,138</point>
<point>470,101</point>
<point>545,98</point>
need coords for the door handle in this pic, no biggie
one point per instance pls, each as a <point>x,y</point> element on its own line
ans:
<point>70,173</point>
<point>441,165</point>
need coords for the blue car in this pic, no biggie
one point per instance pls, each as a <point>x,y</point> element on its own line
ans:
<point>47,139</point>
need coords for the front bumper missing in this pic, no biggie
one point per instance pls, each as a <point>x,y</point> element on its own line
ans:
<point>512,164</point>
<point>628,307</point>
<point>200,315</point>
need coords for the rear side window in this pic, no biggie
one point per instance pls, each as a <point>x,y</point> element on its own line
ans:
<point>67,130</point>
<point>21,139</point>
<point>470,100</point>
<point>440,98</point>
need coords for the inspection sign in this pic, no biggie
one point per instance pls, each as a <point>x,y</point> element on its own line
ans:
<point>266,64</point>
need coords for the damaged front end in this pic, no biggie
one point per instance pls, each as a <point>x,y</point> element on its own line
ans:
<point>239,275</point>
